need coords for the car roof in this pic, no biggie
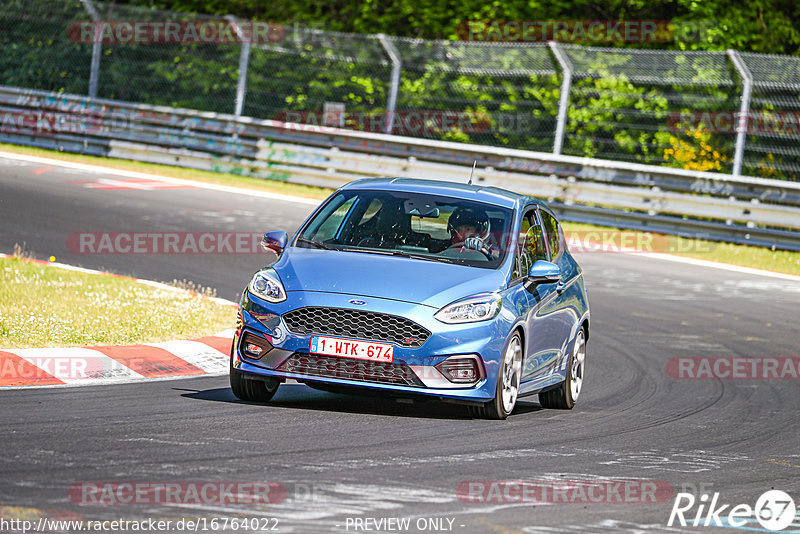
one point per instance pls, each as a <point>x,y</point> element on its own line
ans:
<point>479,193</point>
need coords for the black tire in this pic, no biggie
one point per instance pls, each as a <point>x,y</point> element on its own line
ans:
<point>497,409</point>
<point>261,389</point>
<point>563,397</point>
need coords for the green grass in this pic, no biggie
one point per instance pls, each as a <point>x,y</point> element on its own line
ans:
<point>780,261</point>
<point>745,256</point>
<point>46,306</point>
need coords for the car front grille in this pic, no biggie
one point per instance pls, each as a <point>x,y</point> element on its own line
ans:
<point>351,369</point>
<point>356,324</point>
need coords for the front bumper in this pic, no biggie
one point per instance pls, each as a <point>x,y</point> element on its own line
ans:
<point>413,370</point>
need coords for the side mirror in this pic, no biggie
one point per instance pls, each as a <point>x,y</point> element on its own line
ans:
<point>274,241</point>
<point>544,272</point>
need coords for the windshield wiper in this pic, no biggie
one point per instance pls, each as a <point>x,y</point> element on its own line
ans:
<point>318,244</point>
<point>431,258</point>
<point>382,252</point>
<point>402,254</point>
<point>399,253</point>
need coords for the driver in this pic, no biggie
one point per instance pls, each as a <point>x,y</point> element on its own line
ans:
<point>470,228</point>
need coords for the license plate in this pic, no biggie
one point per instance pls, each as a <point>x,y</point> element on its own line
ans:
<point>349,348</point>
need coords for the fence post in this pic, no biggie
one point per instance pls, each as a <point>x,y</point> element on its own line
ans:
<point>563,99</point>
<point>744,109</point>
<point>397,64</point>
<point>244,64</point>
<point>97,49</point>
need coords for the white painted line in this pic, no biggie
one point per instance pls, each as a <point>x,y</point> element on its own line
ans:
<point>93,382</point>
<point>223,301</point>
<point>132,174</point>
<point>76,364</point>
<point>165,287</point>
<point>198,354</point>
<point>614,249</point>
<point>108,183</point>
<point>718,265</point>
<point>73,268</point>
<point>227,334</point>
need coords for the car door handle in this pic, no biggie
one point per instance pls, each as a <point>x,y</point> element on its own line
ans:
<point>561,286</point>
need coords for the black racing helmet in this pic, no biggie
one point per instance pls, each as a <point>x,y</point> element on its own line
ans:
<point>469,216</point>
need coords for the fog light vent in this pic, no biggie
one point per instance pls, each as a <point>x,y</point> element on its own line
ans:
<point>462,369</point>
<point>254,347</point>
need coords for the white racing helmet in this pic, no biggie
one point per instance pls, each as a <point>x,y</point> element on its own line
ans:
<point>469,216</point>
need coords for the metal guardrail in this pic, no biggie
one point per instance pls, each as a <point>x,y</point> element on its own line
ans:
<point>714,206</point>
<point>728,112</point>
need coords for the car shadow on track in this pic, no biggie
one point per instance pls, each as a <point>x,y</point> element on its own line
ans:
<point>299,396</point>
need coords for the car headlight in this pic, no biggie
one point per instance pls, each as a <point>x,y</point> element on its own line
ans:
<point>267,285</point>
<point>471,310</point>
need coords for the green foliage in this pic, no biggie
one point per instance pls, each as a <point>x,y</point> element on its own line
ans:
<point>767,26</point>
<point>620,104</point>
<point>189,75</point>
<point>36,51</point>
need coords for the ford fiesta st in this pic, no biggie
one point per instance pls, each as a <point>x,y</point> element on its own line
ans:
<point>409,287</point>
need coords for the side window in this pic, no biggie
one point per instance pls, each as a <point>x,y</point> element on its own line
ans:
<point>330,227</point>
<point>519,266</point>
<point>531,247</point>
<point>372,209</point>
<point>552,228</point>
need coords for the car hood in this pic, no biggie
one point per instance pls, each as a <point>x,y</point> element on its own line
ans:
<point>430,283</point>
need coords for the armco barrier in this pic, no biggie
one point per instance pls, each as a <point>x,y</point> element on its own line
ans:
<point>715,206</point>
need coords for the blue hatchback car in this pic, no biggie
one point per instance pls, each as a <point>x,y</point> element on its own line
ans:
<point>409,287</point>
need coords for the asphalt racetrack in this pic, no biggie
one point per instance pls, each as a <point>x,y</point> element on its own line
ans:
<point>338,459</point>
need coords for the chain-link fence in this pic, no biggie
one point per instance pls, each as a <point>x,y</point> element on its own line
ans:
<point>772,148</point>
<point>650,107</point>
<point>715,111</point>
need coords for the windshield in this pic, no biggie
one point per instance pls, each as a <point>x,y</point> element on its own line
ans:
<point>425,227</point>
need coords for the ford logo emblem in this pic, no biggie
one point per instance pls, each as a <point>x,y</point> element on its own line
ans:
<point>356,302</point>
